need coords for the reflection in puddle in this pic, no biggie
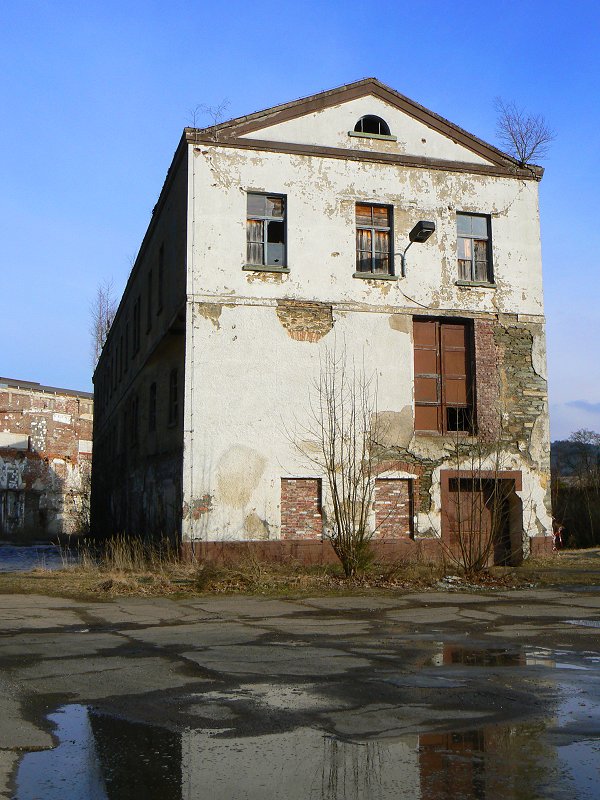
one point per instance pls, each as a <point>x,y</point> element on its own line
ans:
<point>105,758</point>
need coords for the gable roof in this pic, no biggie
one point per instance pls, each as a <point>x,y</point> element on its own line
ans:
<point>250,123</point>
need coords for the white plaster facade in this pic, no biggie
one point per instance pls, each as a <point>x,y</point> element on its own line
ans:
<point>247,380</point>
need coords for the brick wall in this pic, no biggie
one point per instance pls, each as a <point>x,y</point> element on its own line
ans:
<point>301,516</point>
<point>487,389</point>
<point>393,507</point>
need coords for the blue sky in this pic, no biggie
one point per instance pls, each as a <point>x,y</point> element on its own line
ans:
<point>94,96</point>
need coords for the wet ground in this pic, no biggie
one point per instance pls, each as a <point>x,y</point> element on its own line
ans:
<point>38,555</point>
<point>436,695</point>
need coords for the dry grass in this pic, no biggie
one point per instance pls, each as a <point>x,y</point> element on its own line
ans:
<point>130,567</point>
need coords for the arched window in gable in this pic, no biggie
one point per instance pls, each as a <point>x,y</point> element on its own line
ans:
<point>370,124</point>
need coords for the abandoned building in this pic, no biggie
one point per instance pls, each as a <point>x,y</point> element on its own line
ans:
<point>45,459</point>
<point>353,217</point>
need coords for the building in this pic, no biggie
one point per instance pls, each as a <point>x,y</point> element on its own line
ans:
<point>278,235</point>
<point>45,459</point>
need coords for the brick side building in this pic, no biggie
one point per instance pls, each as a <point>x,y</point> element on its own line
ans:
<point>277,237</point>
<point>45,459</point>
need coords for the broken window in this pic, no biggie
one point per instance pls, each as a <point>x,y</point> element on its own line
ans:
<point>443,376</point>
<point>370,124</point>
<point>265,232</point>
<point>474,247</point>
<point>373,238</point>
<point>173,397</point>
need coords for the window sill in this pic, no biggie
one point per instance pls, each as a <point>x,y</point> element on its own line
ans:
<point>263,268</point>
<point>476,284</point>
<point>373,136</point>
<point>375,276</point>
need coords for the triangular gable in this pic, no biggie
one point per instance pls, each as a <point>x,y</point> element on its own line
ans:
<point>325,119</point>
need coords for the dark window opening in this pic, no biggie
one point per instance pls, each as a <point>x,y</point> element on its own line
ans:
<point>134,419</point>
<point>136,325</point>
<point>373,238</point>
<point>152,408</point>
<point>372,124</point>
<point>173,397</point>
<point>458,419</point>
<point>160,281</point>
<point>474,247</point>
<point>149,304</point>
<point>265,232</point>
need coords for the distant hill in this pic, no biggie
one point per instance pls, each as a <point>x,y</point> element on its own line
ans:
<point>567,458</point>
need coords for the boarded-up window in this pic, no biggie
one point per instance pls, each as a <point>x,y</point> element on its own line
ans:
<point>373,238</point>
<point>443,395</point>
<point>301,512</point>
<point>393,508</point>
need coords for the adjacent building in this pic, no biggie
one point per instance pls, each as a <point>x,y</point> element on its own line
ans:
<point>283,235</point>
<point>45,459</point>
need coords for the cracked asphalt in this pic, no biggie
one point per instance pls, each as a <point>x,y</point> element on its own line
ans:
<point>276,679</point>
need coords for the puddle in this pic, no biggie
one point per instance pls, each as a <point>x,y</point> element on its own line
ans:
<point>100,757</point>
<point>586,623</point>
<point>21,558</point>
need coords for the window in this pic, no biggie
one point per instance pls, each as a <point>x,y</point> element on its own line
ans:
<point>149,303</point>
<point>126,345</point>
<point>152,408</point>
<point>133,421</point>
<point>161,274</point>
<point>373,238</point>
<point>136,326</point>
<point>371,124</point>
<point>474,248</point>
<point>173,397</point>
<point>443,385</point>
<point>265,231</point>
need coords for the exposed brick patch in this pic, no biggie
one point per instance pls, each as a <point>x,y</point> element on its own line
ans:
<point>305,322</point>
<point>301,515</point>
<point>393,507</point>
<point>487,385</point>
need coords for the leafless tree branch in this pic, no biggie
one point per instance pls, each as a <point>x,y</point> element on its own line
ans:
<point>102,313</point>
<point>524,136</point>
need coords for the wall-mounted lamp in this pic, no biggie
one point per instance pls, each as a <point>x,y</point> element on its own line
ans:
<point>420,233</point>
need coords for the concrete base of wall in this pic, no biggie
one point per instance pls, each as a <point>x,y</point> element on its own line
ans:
<point>311,552</point>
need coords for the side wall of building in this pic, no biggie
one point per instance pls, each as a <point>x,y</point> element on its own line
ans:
<point>139,382</point>
<point>45,460</point>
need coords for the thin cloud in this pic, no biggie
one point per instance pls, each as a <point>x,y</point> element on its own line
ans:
<point>585,405</point>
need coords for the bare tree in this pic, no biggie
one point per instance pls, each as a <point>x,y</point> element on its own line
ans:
<point>524,136</point>
<point>339,439</point>
<point>216,114</point>
<point>102,313</point>
<point>481,506</point>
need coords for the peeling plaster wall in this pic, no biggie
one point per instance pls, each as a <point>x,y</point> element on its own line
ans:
<point>321,196</point>
<point>330,128</point>
<point>253,340</point>
<point>45,460</point>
